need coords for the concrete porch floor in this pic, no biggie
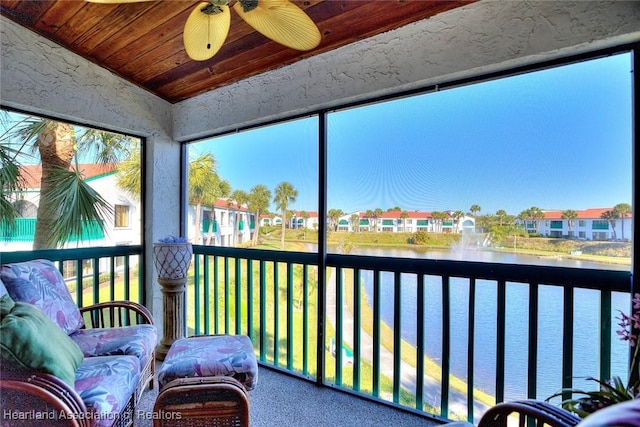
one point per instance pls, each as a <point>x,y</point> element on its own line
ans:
<point>283,400</point>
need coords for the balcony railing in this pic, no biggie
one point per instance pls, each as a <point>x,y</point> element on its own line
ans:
<point>461,322</point>
<point>24,230</point>
<point>471,334</point>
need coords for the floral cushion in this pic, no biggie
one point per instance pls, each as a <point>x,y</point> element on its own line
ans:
<point>40,283</point>
<point>105,385</point>
<point>207,356</point>
<point>136,340</point>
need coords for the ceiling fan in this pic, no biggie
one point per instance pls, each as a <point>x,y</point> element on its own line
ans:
<point>208,24</point>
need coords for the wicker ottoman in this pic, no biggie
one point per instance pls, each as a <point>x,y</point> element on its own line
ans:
<point>204,381</point>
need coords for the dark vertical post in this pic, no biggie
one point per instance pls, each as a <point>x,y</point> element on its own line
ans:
<point>500,339</point>
<point>446,346</point>
<point>397,336</point>
<point>634,375</point>
<point>471,349</point>
<point>420,344</point>
<point>532,360</point>
<point>322,244</point>
<point>305,319</point>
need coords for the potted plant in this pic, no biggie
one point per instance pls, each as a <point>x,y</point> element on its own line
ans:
<point>172,257</point>
<point>614,390</point>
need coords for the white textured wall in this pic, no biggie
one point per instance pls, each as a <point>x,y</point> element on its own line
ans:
<point>472,40</point>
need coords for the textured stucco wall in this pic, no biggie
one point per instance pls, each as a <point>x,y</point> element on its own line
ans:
<point>475,39</point>
<point>40,77</point>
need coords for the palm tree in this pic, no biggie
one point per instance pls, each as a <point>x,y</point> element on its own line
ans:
<point>128,177</point>
<point>403,216</point>
<point>202,174</point>
<point>259,198</point>
<point>570,215</point>
<point>611,216</point>
<point>334,215</point>
<point>305,216</point>
<point>219,189</point>
<point>457,216</point>
<point>355,222</point>
<point>502,216</point>
<point>66,202</point>
<point>533,214</point>
<point>11,183</point>
<point>370,215</point>
<point>438,218</point>
<point>622,210</point>
<point>378,214</point>
<point>285,194</point>
<point>240,198</point>
<point>473,210</point>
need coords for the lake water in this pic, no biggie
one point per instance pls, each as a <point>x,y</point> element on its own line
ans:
<point>586,322</point>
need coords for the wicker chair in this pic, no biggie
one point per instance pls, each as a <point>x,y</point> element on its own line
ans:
<point>544,413</point>
<point>538,413</point>
<point>52,401</point>
<point>202,401</point>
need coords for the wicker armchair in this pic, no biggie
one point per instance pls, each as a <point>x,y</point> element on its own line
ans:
<point>113,314</point>
<point>56,403</point>
<point>533,412</point>
<point>202,401</point>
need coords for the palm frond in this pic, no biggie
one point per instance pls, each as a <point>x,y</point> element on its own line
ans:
<point>11,182</point>
<point>128,176</point>
<point>75,203</point>
<point>105,147</point>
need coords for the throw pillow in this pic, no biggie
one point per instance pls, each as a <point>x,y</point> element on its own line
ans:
<point>30,340</point>
<point>39,282</point>
<point>3,290</point>
<point>6,305</point>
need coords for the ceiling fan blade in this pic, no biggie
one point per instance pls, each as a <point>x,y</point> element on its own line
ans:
<point>281,21</point>
<point>116,1</point>
<point>206,30</point>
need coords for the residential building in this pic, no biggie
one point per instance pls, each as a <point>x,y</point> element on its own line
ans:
<point>589,224</point>
<point>122,227</point>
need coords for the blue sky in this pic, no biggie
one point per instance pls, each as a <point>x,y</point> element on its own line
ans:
<point>555,139</point>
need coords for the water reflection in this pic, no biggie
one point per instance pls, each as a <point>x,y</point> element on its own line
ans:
<point>550,334</point>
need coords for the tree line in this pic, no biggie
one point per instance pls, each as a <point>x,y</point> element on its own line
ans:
<point>67,201</point>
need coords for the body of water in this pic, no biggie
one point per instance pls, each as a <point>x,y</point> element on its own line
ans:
<point>586,322</point>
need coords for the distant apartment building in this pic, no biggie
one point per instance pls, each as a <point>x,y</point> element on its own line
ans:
<point>405,222</point>
<point>589,225</point>
<point>298,220</point>
<point>226,223</point>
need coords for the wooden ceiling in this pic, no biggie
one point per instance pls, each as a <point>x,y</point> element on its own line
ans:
<point>142,42</point>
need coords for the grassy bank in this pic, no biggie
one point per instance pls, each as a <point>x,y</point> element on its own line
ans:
<point>605,252</point>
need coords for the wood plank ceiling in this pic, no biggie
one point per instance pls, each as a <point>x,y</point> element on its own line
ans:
<point>142,42</point>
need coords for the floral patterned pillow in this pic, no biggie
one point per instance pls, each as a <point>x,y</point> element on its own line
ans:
<point>39,283</point>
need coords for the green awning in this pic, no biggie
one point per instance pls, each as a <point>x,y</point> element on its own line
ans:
<point>387,222</point>
<point>423,222</point>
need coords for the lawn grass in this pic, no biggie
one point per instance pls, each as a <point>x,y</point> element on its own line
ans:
<point>226,323</point>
